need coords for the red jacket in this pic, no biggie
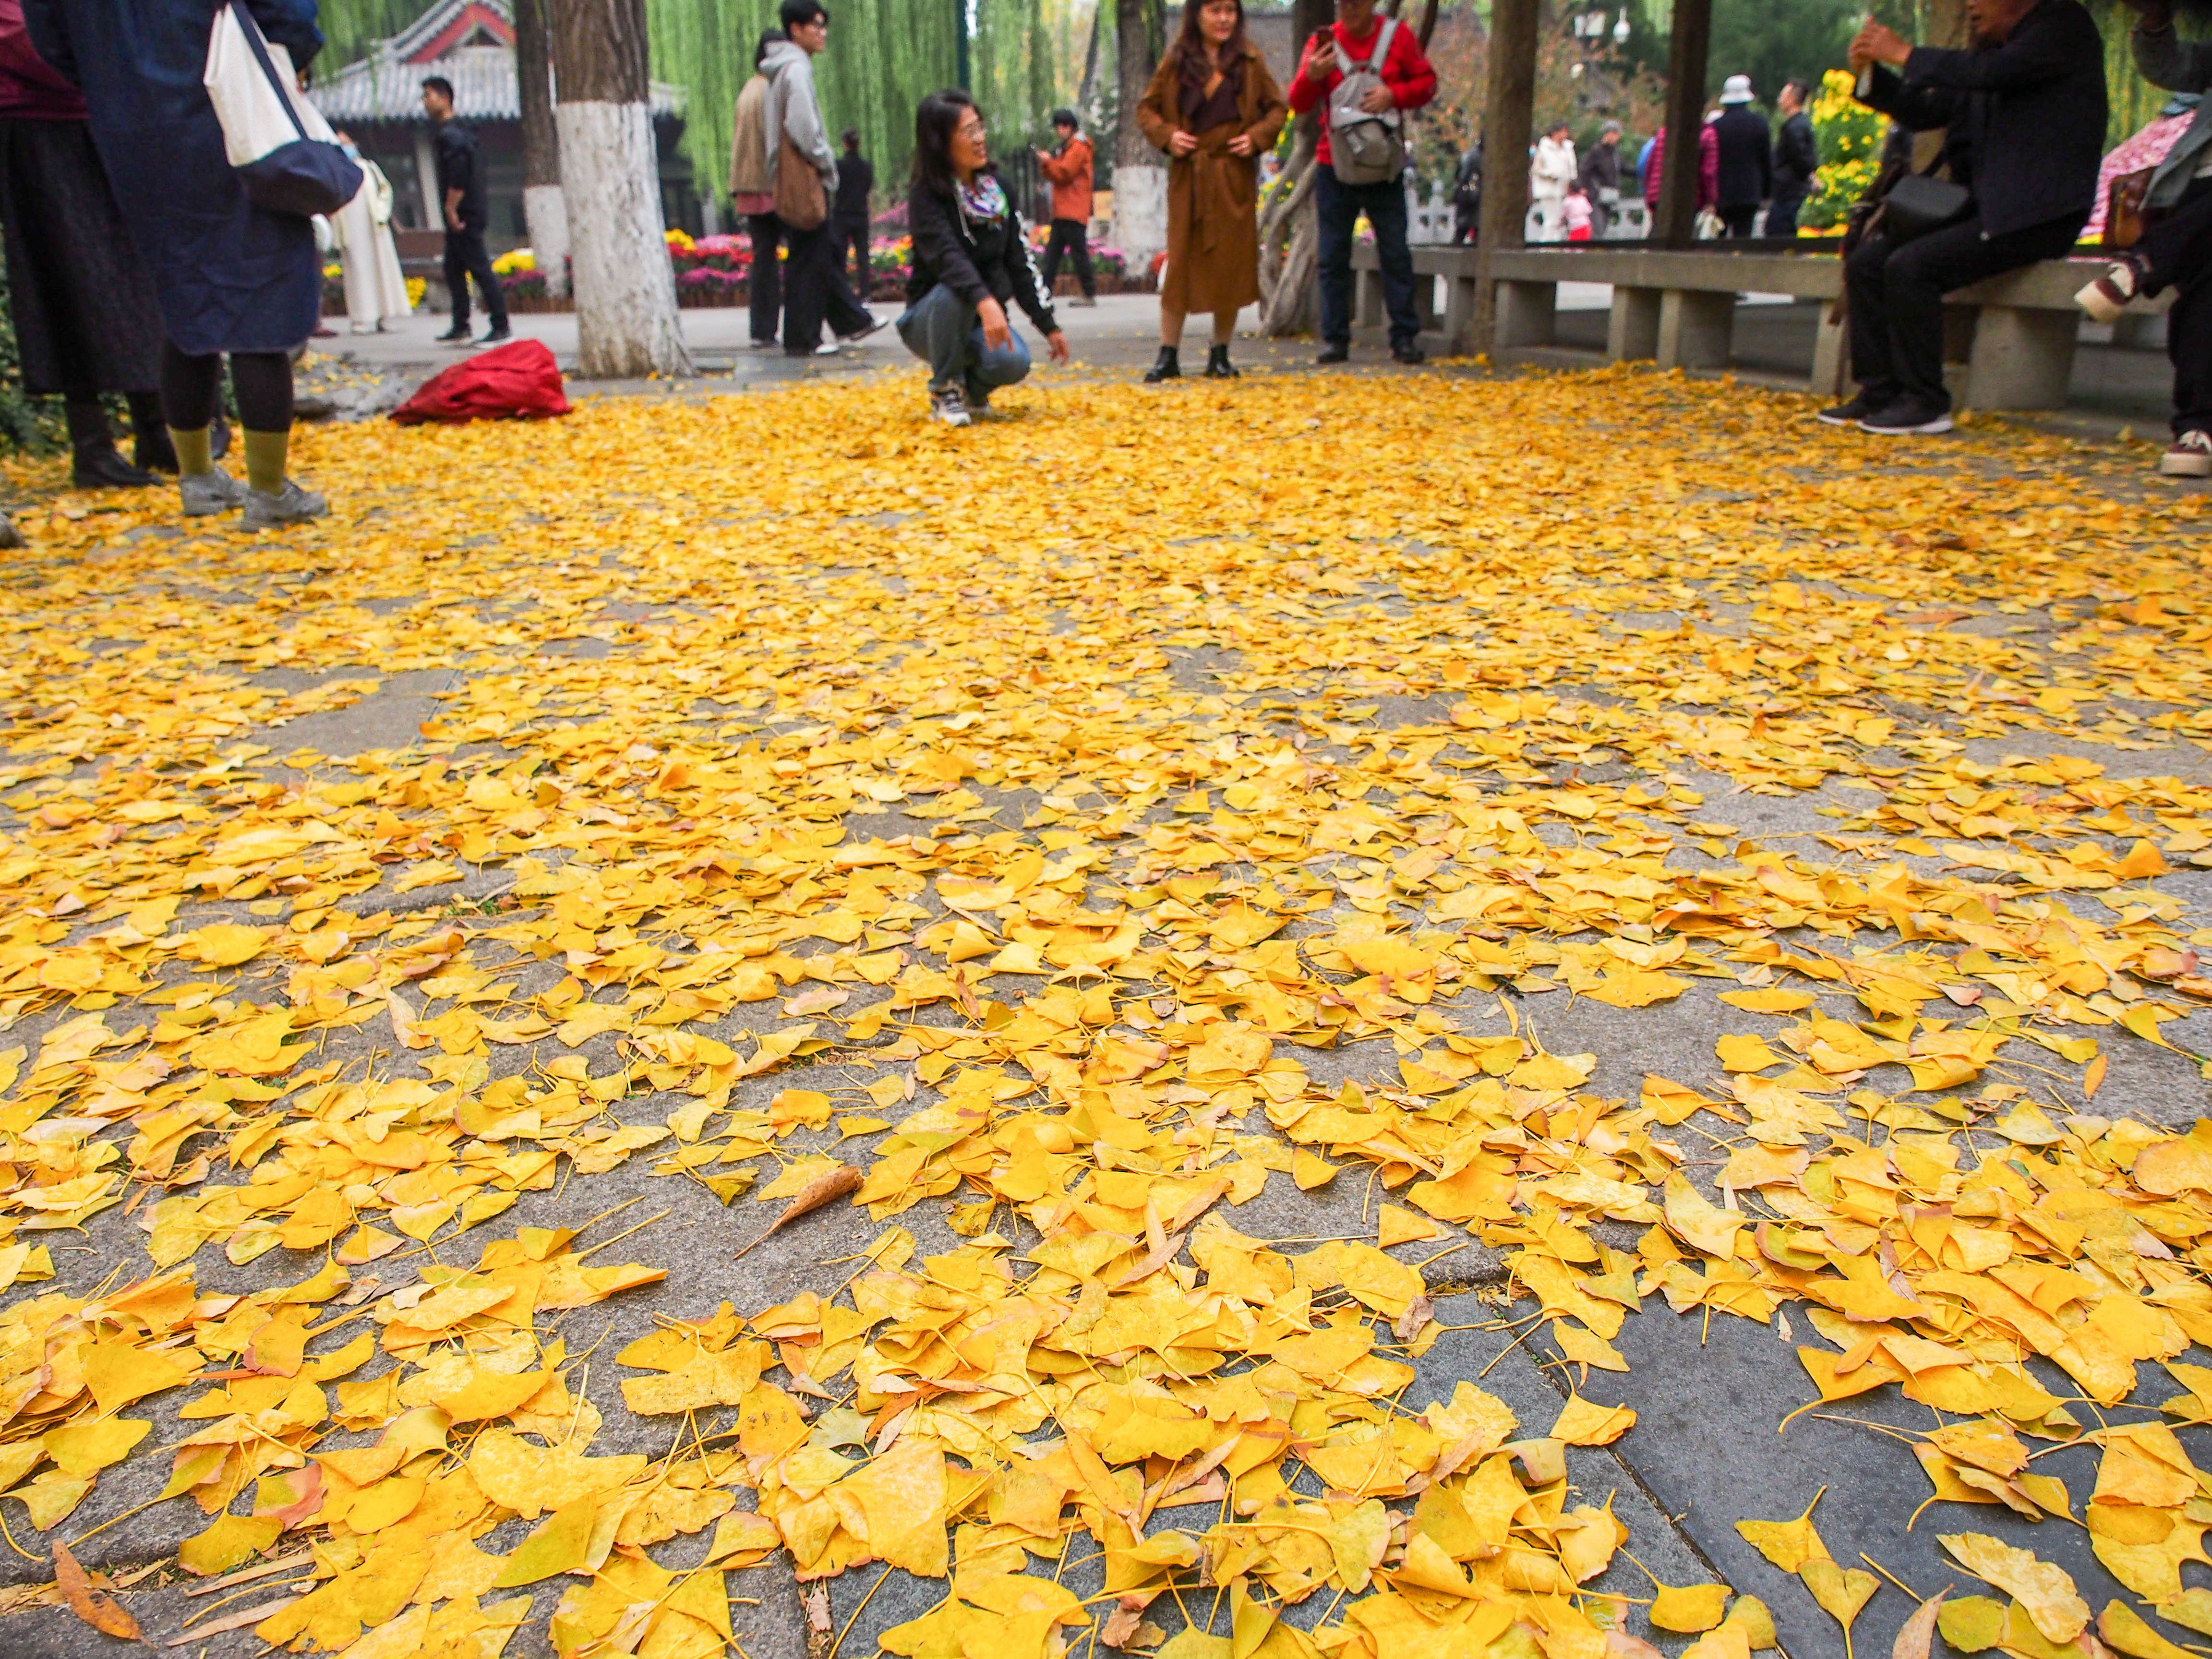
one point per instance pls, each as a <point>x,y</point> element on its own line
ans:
<point>1709,166</point>
<point>1069,175</point>
<point>1406,71</point>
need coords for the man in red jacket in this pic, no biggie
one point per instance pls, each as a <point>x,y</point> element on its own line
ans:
<point>1406,82</point>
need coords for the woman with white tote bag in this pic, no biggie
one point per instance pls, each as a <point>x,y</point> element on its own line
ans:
<point>231,278</point>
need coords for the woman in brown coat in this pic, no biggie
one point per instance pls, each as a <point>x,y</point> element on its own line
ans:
<point>1215,110</point>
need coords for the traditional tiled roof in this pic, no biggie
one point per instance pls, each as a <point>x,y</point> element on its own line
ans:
<point>471,43</point>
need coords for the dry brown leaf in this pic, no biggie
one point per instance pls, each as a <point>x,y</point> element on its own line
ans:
<point>827,1188</point>
<point>95,1607</point>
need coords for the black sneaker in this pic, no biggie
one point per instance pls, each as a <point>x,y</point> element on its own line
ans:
<point>1408,353</point>
<point>1909,416</point>
<point>496,333</point>
<point>455,336</point>
<point>875,325</point>
<point>1334,354</point>
<point>1848,413</point>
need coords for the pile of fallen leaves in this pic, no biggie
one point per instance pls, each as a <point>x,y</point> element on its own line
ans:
<point>1155,839</point>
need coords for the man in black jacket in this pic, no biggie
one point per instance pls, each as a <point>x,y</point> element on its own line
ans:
<point>856,177</point>
<point>1796,159</point>
<point>1747,157</point>
<point>461,197</point>
<point>2023,111</point>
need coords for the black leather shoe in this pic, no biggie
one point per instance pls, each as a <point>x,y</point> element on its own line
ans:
<point>1168,366</point>
<point>1218,366</point>
<point>1408,353</point>
<point>1334,354</point>
<point>101,466</point>
<point>496,333</point>
<point>454,334</point>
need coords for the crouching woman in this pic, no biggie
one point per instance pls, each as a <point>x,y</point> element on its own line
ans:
<point>971,255</point>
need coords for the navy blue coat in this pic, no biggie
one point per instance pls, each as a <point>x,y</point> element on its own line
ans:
<point>228,275</point>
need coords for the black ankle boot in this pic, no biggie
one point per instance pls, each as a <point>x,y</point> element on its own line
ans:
<point>94,462</point>
<point>152,449</point>
<point>1218,366</point>
<point>1167,367</point>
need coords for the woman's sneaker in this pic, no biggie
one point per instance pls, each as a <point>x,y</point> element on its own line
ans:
<point>289,505</point>
<point>950,406</point>
<point>2112,293</point>
<point>2190,458</point>
<point>1850,414</point>
<point>205,494</point>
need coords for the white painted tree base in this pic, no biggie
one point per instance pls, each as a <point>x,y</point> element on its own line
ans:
<point>545,212</point>
<point>626,320</point>
<point>1140,214</point>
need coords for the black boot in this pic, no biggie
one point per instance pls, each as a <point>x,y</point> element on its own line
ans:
<point>151,448</point>
<point>1218,366</point>
<point>1168,366</point>
<point>95,462</point>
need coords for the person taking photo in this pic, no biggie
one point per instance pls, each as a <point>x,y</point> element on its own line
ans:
<point>1214,109</point>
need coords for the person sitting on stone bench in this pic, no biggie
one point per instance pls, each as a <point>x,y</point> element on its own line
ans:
<point>2023,114</point>
<point>2176,249</point>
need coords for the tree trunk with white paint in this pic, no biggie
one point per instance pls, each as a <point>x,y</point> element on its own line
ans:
<point>545,211</point>
<point>1140,174</point>
<point>626,318</point>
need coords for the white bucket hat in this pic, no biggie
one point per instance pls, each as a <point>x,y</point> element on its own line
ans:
<point>1736,89</point>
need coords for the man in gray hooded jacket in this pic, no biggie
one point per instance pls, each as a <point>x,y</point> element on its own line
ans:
<point>2176,250</point>
<point>814,285</point>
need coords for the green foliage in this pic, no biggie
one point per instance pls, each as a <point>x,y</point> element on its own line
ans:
<point>1775,40</point>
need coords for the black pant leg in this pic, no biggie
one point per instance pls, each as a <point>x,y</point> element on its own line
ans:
<point>1335,210</point>
<point>479,262</point>
<point>1739,219</point>
<point>190,388</point>
<point>764,282</point>
<point>1868,319</point>
<point>262,380</point>
<point>1055,244</point>
<point>808,273</point>
<point>2188,344</point>
<point>1078,254</point>
<point>2180,241</point>
<point>1919,275</point>
<point>457,276</point>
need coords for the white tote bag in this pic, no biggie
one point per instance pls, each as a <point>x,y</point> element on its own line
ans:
<point>279,142</point>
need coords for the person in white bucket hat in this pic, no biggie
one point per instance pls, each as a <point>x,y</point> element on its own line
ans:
<point>1747,157</point>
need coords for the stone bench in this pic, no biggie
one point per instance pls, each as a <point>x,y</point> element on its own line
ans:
<point>1677,308</point>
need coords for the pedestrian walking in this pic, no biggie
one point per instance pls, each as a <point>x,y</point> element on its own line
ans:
<point>1600,177</point>
<point>464,205</point>
<point>1745,151</point>
<point>1214,109</point>
<point>228,278</point>
<point>971,257</point>
<point>856,179</point>
<point>375,286</point>
<point>1467,196</point>
<point>752,194</point>
<point>1552,169</point>
<point>1368,71</point>
<point>80,300</point>
<point>814,287</point>
<point>1796,160</point>
<point>2023,113</point>
<point>1067,170</point>
<point>2175,250</point>
<point>1708,167</point>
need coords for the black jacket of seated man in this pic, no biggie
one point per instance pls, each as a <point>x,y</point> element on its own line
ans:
<point>2024,121</point>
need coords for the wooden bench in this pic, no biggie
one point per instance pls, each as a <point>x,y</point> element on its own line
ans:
<point>1677,308</point>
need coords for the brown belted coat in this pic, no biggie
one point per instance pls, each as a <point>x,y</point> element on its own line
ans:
<point>1213,230</point>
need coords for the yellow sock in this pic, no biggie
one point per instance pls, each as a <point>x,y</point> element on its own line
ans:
<point>264,460</point>
<point>193,454</point>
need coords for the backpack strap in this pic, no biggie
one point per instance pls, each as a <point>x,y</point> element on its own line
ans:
<point>1376,53</point>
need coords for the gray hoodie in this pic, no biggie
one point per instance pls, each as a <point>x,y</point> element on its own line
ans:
<point>794,112</point>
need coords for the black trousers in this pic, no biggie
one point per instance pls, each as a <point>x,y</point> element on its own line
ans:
<point>1782,211</point>
<point>466,257</point>
<point>1896,298</point>
<point>815,289</point>
<point>764,285</point>
<point>852,235</point>
<point>191,389</point>
<point>1072,238</point>
<point>2178,252</point>
<point>1738,221</point>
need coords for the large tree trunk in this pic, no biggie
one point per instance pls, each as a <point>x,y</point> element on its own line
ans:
<point>1509,113</point>
<point>1290,234</point>
<point>626,320</point>
<point>1676,223</point>
<point>544,211</point>
<point>1140,176</point>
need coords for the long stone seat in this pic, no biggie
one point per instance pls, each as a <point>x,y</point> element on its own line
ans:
<point>1676,307</point>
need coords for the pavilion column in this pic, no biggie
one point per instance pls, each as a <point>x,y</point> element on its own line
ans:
<point>1676,221</point>
<point>1507,124</point>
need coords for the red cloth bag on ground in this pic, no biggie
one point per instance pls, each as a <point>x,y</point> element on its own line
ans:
<point>519,380</point>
